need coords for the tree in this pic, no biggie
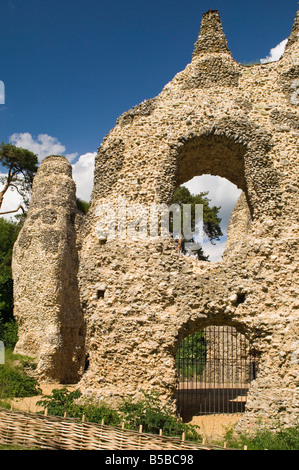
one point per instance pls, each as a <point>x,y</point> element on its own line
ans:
<point>211,220</point>
<point>8,235</point>
<point>22,166</point>
<point>83,206</point>
<point>191,356</point>
<point>8,327</point>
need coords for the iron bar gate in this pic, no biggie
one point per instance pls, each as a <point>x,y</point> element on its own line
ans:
<point>215,367</point>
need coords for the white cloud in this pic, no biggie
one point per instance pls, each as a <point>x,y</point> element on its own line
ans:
<point>214,252</point>
<point>11,201</point>
<point>275,53</point>
<point>43,146</point>
<point>83,171</point>
<point>223,194</point>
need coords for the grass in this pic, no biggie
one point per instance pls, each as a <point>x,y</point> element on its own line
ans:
<point>8,447</point>
<point>283,439</point>
<point>14,378</point>
<point>15,382</point>
<point>148,412</point>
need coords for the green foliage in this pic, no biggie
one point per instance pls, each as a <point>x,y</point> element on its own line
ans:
<point>283,439</point>
<point>14,380</point>
<point>12,447</point>
<point>21,165</point>
<point>83,206</point>
<point>18,159</point>
<point>149,413</point>
<point>211,220</point>
<point>9,231</point>
<point>9,333</point>
<point>63,401</point>
<point>6,296</point>
<point>60,401</point>
<point>5,404</point>
<point>191,356</point>
<point>8,234</point>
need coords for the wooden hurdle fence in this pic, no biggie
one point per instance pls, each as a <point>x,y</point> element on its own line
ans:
<point>32,430</point>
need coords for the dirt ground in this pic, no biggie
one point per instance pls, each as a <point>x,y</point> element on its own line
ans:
<point>29,404</point>
<point>212,427</point>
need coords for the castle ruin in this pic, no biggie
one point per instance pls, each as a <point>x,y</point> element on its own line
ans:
<point>126,303</point>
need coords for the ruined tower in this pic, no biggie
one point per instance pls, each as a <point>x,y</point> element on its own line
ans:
<point>140,299</point>
<point>45,266</point>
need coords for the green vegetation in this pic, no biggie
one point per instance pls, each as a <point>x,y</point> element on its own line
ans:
<point>8,328</point>
<point>63,401</point>
<point>284,439</point>
<point>152,416</point>
<point>211,220</point>
<point>21,167</point>
<point>191,356</point>
<point>147,412</point>
<point>14,379</point>
<point>83,206</point>
<point>8,447</point>
<point>8,234</point>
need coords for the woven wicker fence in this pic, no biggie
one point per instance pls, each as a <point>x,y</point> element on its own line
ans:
<point>56,433</point>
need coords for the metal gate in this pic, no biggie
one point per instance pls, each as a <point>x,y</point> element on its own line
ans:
<point>215,367</point>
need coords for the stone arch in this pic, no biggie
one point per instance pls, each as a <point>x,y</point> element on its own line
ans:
<point>235,150</point>
<point>221,313</point>
<point>199,322</point>
<point>215,367</point>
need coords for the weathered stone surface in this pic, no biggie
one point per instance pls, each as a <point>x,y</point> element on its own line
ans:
<point>45,265</point>
<point>139,297</point>
<point>220,118</point>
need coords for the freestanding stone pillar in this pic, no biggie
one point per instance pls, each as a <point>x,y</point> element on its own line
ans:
<point>45,264</point>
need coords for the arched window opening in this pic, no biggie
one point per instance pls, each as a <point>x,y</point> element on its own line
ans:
<point>215,367</point>
<point>221,194</point>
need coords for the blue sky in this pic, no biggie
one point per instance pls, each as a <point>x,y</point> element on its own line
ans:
<point>71,67</point>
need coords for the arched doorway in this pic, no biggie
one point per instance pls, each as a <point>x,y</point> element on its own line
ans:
<point>215,367</point>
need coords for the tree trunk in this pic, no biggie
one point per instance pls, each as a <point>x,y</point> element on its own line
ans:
<point>6,186</point>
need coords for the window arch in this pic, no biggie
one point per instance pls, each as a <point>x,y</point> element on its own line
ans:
<point>223,194</point>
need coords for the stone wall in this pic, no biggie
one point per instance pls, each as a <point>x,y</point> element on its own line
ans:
<point>140,298</point>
